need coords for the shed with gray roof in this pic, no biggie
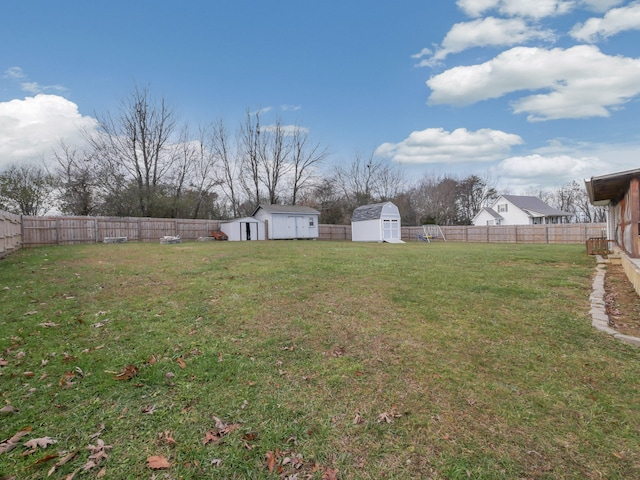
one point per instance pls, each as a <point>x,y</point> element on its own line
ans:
<point>378,222</point>
<point>288,222</point>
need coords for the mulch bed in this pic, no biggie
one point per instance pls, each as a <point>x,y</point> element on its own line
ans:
<point>622,302</point>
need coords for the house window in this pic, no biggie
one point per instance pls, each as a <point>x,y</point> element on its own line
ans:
<point>489,222</point>
<point>502,207</point>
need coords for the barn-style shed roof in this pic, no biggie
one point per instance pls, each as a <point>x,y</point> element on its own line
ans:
<point>369,212</point>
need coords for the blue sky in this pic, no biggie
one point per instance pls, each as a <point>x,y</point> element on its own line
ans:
<point>532,94</point>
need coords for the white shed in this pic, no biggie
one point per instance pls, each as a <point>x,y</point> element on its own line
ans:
<point>246,228</point>
<point>287,222</point>
<point>379,222</point>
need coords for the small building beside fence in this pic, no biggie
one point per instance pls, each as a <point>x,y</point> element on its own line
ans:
<point>243,229</point>
<point>378,222</point>
<point>288,222</point>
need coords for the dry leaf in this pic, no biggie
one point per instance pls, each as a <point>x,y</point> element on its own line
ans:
<point>102,472</point>
<point>42,442</point>
<point>64,460</point>
<point>271,461</point>
<point>216,462</point>
<point>9,409</point>
<point>166,437</point>
<point>152,360</point>
<point>330,474</point>
<point>181,363</point>
<point>357,420</point>
<point>3,362</point>
<point>11,443</point>
<point>97,434</point>
<point>48,324</point>
<point>156,462</point>
<point>127,373</point>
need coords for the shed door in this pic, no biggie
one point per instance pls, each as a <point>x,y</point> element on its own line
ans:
<point>248,231</point>
<point>390,230</point>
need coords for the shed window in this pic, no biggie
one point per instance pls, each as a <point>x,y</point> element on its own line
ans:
<point>312,222</point>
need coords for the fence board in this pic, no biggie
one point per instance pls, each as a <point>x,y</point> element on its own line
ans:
<point>10,233</point>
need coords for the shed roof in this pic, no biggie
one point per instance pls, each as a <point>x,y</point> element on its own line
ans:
<point>533,206</point>
<point>287,209</point>
<point>368,212</point>
<point>610,188</point>
<point>243,220</point>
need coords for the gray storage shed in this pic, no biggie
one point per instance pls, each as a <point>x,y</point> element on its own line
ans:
<point>246,228</point>
<point>288,222</point>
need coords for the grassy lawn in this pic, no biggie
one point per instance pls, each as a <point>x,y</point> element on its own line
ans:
<point>316,359</point>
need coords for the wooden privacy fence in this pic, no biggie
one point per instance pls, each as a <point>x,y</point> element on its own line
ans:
<point>71,230</point>
<point>562,233</point>
<point>10,233</point>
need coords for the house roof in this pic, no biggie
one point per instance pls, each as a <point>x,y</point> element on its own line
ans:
<point>534,206</point>
<point>491,212</point>
<point>609,188</point>
<point>368,212</point>
<point>286,209</point>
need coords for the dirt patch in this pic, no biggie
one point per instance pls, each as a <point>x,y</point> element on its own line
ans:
<point>622,302</point>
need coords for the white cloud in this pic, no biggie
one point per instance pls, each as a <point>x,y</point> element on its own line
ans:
<point>517,8</point>
<point>291,108</point>
<point>545,170</point>
<point>615,21</point>
<point>486,32</point>
<point>436,145</point>
<point>600,5</point>
<point>579,82</point>
<point>14,73</point>
<point>31,128</point>
<point>17,74</point>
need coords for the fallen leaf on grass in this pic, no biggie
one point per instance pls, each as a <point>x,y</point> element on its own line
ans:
<point>64,460</point>
<point>47,324</point>
<point>166,437</point>
<point>148,409</point>
<point>330,474</point>
<point>102,472</point>
<point>97,455</point>
<point>127,373</point>
<point>32,312</point>
<point>389,416</point>
<point>11,443</point>
<point>34,443</point>
<point>66,381</point>
<point>97,434</point>
<point>221,429</point>
<point>182,363</point>
<point>3,362</point>
<point>156,462</point>
<point>358,419</point>
<point>272,459</point>
<point>9,409</point>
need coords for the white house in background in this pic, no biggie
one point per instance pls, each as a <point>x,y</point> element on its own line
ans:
<point>379,222</point>
<point>246,228</point>
<point>519,210</point>
<point>288,222</point>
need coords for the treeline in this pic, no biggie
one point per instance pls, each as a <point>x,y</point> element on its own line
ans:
<point>142,161</point>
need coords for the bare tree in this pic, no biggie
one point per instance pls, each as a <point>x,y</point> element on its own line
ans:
<point>134,145</point>
<point>77,181</point>
<point>252,144</point>
<point>304,159</point>
<point>225,153</point>
<point>273,160</point>
<point>26,190</point>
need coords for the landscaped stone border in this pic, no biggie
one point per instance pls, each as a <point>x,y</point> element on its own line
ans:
<point>599,317</point>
